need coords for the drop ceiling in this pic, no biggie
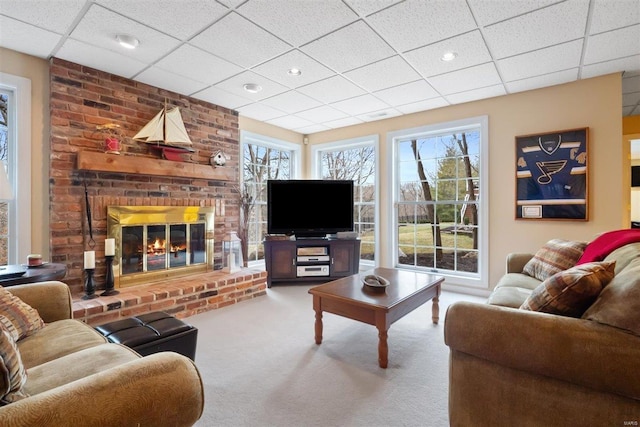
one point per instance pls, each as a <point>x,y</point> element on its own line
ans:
<point>360,60</point>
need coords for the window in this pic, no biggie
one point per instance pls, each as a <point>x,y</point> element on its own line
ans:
<point>440,220</point>
<point>355,160</point>
<point>15,157</point>
<point>263,159</point>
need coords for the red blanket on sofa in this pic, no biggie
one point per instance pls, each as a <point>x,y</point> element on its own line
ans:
<point>604,244</point>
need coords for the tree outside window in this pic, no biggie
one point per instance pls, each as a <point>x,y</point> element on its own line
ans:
<point>4,158</point>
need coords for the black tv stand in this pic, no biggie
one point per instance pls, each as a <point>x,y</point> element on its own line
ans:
<point>313,259</point>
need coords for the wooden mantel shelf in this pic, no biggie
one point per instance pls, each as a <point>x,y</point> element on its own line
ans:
<point>94,161</point>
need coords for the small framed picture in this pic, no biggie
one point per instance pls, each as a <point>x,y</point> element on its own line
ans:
<point>552,175</point>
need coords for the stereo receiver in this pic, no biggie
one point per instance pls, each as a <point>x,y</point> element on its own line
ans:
<point>313,270</point>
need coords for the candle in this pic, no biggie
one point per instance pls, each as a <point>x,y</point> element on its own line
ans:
<point>109,247</point>
<point>89,260</point>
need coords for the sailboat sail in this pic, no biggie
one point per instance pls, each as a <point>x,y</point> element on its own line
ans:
<point>166,128</point>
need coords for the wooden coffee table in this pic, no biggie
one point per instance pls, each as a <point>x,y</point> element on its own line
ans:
<point>346,297</point>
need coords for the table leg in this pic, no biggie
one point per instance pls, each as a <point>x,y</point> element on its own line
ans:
<point>435,310</point>
<point>318,324</point>
<point>383,348</point>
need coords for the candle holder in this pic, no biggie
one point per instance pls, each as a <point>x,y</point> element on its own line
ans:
<point>89,286</point>
<point>109,282</point>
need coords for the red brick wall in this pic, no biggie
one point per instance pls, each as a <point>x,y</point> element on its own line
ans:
<point>81,99</point>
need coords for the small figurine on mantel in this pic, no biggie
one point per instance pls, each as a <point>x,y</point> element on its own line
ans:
<point>112,137</point>
<point>218,159</point>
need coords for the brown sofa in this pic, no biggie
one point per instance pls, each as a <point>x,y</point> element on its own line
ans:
<point>74,377</point>
<point>510,366</point>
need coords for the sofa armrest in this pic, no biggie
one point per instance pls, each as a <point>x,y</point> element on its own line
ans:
<point>52,299</point>
<point>516,261</point>
<point>577,351</point>
<point>163,389</point>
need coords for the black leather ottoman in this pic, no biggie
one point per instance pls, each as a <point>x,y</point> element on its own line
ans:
<point>151,333</point>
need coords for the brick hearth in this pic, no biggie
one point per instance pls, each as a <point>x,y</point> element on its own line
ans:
<point>181,297</point>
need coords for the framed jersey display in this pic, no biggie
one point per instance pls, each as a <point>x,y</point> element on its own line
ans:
<point>552,175</point>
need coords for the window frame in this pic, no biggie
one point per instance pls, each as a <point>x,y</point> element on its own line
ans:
<point>247,137</point>
<point>349,144</point>
<point>481,278</point>
<point>19,166</point>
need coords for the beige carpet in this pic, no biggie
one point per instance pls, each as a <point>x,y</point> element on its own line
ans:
<point>261,366</point>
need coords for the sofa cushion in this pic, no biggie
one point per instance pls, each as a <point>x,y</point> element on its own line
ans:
<point>619,303</point>
<point>554,256</point>
<point>571,292</point>
<point>12,373</point>
<point>512,290</point>
<point>20,318</point>
<point>58,339</point>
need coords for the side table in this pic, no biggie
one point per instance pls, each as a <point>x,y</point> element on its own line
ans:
<point>10,275</point>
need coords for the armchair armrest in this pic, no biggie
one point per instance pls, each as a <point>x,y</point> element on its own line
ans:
<point>163,389</point>
<point>52,299</point>
<point>577,351</point>
<point>516,261</point>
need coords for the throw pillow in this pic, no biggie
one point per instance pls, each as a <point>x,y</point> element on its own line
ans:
<point>619,303</point>
<point>12,373</point>
<point>555,256</point>
<point>571,292</point>
<point>21,319</point>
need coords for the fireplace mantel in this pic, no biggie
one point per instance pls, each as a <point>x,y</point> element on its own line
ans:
<point>94,161</point>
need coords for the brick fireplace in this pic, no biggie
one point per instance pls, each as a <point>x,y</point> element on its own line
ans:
<point>83,178</point>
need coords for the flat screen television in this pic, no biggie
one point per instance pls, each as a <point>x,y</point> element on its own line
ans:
<point>309,208</point>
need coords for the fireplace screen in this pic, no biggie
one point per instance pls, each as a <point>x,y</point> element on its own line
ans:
<point>155,241</point>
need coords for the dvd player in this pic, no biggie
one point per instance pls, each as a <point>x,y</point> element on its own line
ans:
<point>313,270</point>
<point>316,258</point>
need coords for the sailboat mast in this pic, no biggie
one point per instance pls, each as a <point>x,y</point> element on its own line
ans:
<point>164,122</point>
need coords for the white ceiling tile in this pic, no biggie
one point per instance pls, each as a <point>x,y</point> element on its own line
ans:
<point>407,93</point>
<point>537,82</point>
<point>618,65</point>
<point>100,26</point>
<point>321,114</point>
<point>100,59</point>
<point>387,113</point>
<point>608,15</point>
<point>158,77</point>
<point>489,12</point>
<point>476,94</point>
<point>464,80</point>
<point>470,48</point>
<point>277,69</point>
<point>429,104</point>
<point>349,48</point>
<point>630,99</point>
<point>307,130</point>
<point>198,65</point>
<point>290,122</point>
<point>181,20</point>
<point>360,105</point>
<point>221,97</point>
<point>291,102</point>
<point>545,27</point>
<point>626,41</point>
<point>260,112</point>
<point>383,74</point>
<point>55,16</point>
<point>239,41</point>
<point>423,22</point>
<point>298,22</point>
<point>543,61</point>
<point>367,7</point>
<point>332,89</point>
<point>348,121</point>
<point>236,84</point>
<point>631,84</point>
<point>232,4</point>
<point>26,38</point>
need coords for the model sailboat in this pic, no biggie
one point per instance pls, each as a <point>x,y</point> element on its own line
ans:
<point>166,133</point>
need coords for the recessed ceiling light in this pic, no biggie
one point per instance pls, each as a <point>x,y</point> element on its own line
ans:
<point>294,71</point>
<point>127,41</point>
<point>252,88</point>
<point>449,56</point>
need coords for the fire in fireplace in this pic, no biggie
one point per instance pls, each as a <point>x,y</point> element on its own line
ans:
<point>153,242</point>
